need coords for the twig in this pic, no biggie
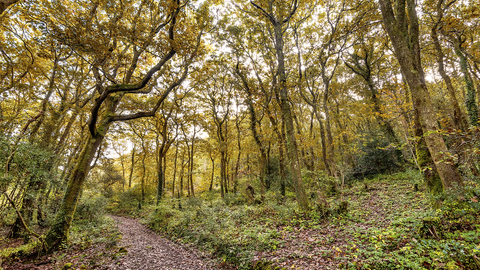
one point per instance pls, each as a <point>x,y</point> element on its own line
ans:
<point>36,235</point>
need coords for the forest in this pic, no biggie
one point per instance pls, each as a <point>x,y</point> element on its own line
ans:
<point>234,134</point>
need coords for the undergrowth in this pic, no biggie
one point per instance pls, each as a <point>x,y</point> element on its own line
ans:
<point>91,229</point>
<point>388,225</point>
<point>232,233</point>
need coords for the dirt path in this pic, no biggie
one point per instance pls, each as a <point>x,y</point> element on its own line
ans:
<point>147,250</point>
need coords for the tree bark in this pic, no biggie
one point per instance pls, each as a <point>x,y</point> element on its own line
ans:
<point>425,161</point>
<point>131,168</point>
<point>237,165</point>
<point>292,148</point>
<point>58,233</point>
<point>213,174</point>
<point>174,170</point>
<point>192,152</point>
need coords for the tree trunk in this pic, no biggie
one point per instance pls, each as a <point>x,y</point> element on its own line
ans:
<point>143,173</point>
<point>213,174</point>
<point>58,233</point>
<point>292,150</point>
<point>256,136</point>
<point>425,161</point>
<point>328,130</point>
<point>160,178</point>
<point>459,119</point>
<point>323,139</point>
<point>237,165</point>
<point>223,161</point>
<point>182,169</point>
<point>174,170</point>
<point>408,56</point>
<point>306,163</point>
<point>472,107</point>
<point>131,168</point>
<point>190,175</point>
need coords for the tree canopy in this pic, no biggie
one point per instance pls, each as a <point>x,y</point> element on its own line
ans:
<point>183,98</point>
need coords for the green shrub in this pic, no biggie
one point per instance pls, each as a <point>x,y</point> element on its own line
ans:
<point>376,157</point>
<point>125,202</point>
<point>91,208</point>
<point>232,233</point>
<point>234,199</point>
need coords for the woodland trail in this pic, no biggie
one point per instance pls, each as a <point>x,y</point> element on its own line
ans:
<point>147,250</point>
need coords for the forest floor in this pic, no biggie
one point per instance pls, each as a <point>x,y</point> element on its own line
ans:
<point>383,229</point>
<point>128,245</point>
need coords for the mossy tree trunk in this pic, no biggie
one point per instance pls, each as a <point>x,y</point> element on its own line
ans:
<point>192,163</point>
<point>403,29</point>
<point>182,173</point>
<point>425,161</point>
<point>263,165</point>
<point>222,135</point>
<point>162,150</point>
<point>291,146</point>
<point>470,101</point>
<point>361,64</point>
<point>175,168</point>
<point>58,233</point>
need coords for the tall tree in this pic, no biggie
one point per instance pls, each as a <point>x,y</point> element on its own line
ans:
<point>160,25</point>
<point>459,118</point>
<point>402,25</point>
<point>279,14</point>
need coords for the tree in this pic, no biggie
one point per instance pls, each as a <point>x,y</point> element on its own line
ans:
<point>279,15</point>
<point>163,129</point>
<point>161,33</point>
<point>361,62</point>
<point>403,29</point>
<point>459,118</point>
<point>217,95</point>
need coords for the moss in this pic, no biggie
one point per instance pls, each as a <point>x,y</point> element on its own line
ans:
<point>430,174</point>
<point>23,250</point>
<point>58,233</point>
<point>67,266</point>
<point>101,130</point>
